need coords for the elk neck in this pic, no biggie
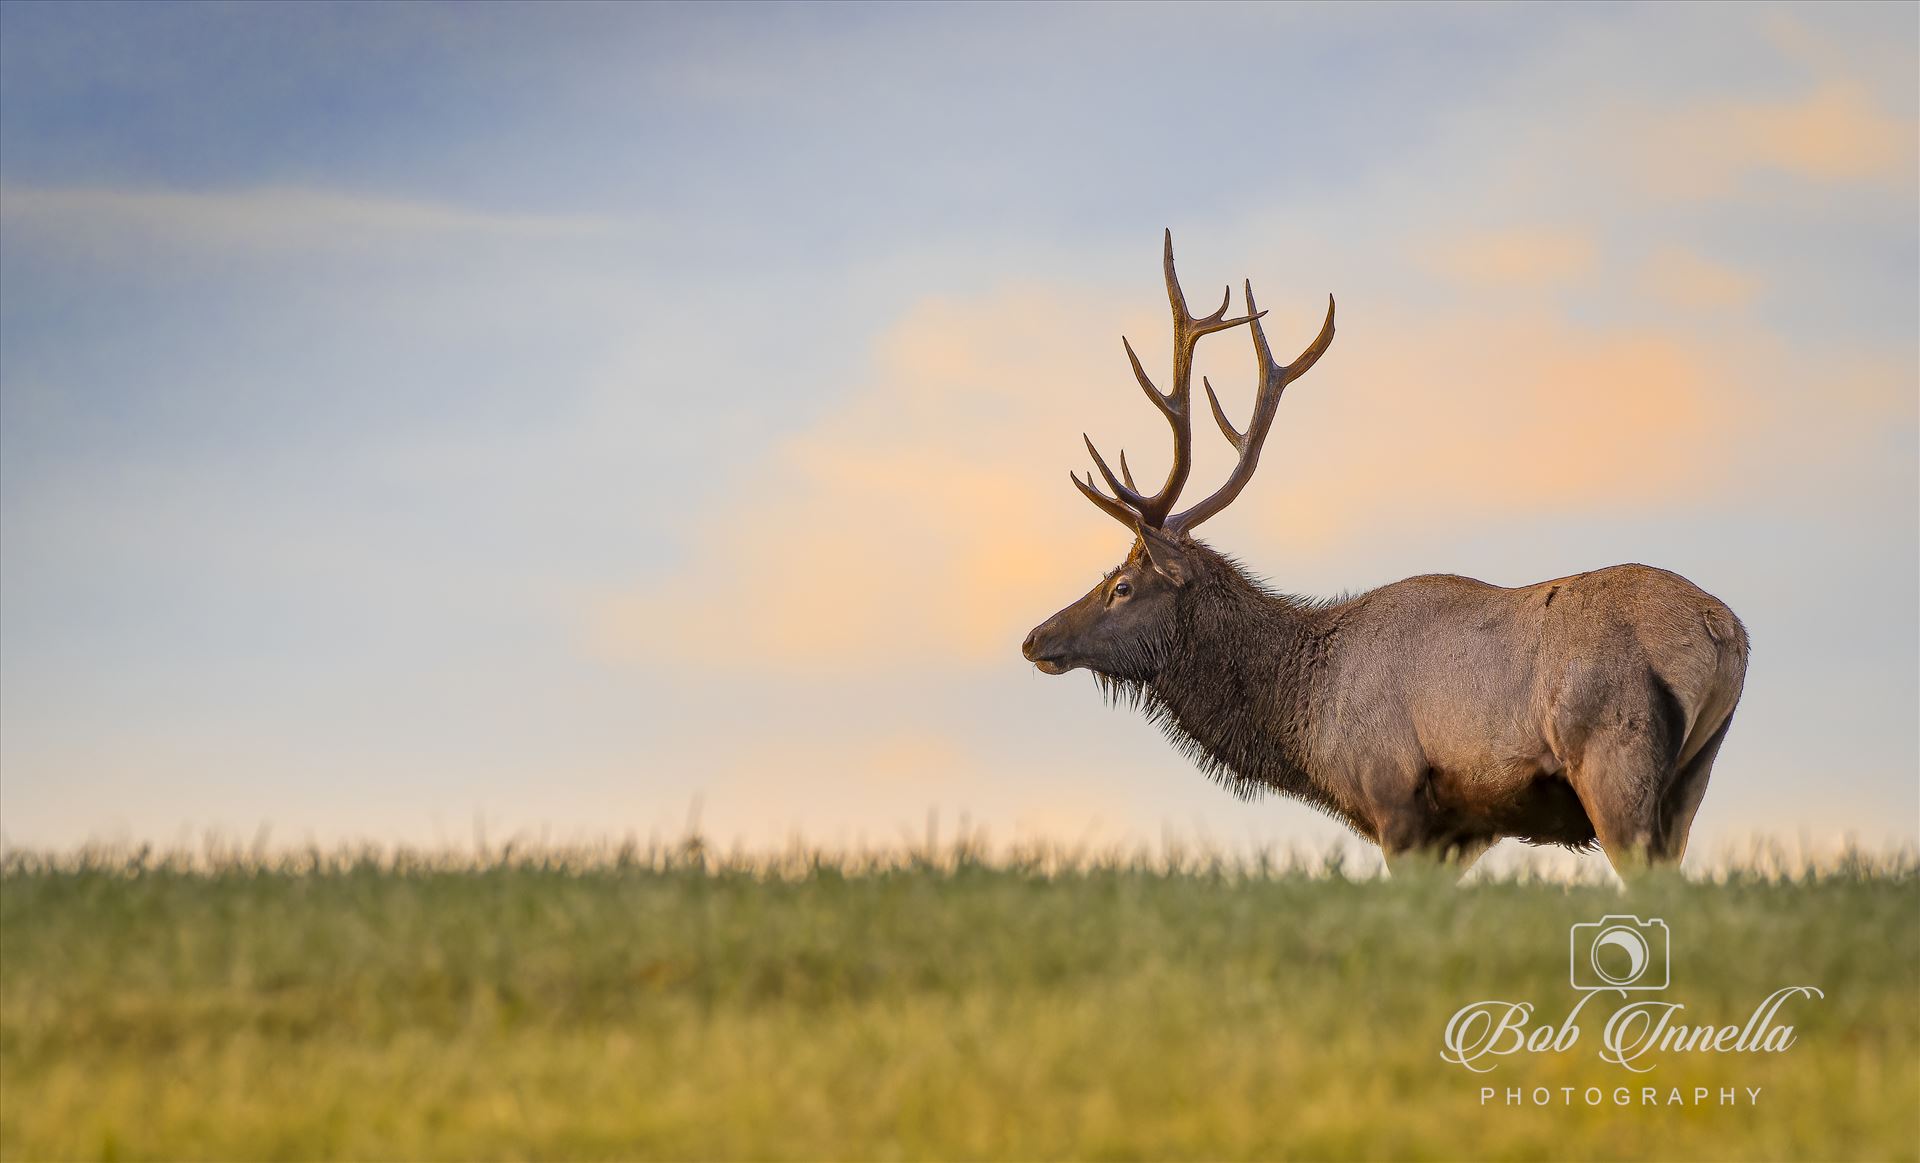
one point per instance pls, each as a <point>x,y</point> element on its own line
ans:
<point>1235,690</point>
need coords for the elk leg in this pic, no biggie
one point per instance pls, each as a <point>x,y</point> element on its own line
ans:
<point>1683,796</point>
<point>1464,851</point>
<point>1448,856</point>
<point>1409,863</point>
<point>1400,811</point>
<point>1412,833</point>
<point>1619,778</point>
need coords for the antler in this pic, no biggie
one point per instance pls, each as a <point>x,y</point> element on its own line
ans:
<point>1274,379</point>
<point>1127,504</point>
<point>1131,507</point>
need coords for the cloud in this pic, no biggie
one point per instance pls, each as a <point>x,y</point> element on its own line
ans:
<point>1514,258</point>
<point>1457,416</point>
<point>870,783</point>
<point>880,762</point>
<point>1837,133</point>
<point>266,221</point>
<point>1684,278</point>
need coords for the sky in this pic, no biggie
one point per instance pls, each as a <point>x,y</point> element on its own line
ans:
<point>568,422</point>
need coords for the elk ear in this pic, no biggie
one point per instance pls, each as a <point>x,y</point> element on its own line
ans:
<point>1169,559</point>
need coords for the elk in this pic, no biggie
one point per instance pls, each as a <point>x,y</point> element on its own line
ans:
<point>1434,716</point>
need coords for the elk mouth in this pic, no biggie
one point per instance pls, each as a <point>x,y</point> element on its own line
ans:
<point>1034,649</point>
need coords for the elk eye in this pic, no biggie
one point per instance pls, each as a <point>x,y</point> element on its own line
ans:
<point>1122,590</point>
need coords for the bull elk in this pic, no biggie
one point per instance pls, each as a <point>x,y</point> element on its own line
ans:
<point>1435,715</point>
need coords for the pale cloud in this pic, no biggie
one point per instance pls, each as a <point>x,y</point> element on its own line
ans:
<point>1837,133</point>
<point>876,762</point>
<point>1528,258</point>
<point>269,220</point>
<point>1685,278</point>
<point>869,786</point>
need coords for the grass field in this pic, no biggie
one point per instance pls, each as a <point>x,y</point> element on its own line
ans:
<point>669,1005</point>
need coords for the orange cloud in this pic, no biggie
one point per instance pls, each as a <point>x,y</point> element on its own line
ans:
<point>1451,420</point>
<point>1514,258</point>
<point>1686,279</point>
<point>1835,134</point>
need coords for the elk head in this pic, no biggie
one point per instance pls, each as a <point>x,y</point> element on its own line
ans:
<point>1124,627</point>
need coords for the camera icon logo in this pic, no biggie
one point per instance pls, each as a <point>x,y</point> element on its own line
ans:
<point>1620,952</point>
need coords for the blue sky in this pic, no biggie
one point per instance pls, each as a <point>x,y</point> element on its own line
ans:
<point>551,415</point>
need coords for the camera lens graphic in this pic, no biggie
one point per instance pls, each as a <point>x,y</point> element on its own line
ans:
<point>1628,941</point>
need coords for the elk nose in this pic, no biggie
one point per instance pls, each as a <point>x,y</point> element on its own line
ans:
<point>1026,648</point>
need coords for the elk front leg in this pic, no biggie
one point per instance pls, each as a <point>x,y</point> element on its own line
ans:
<point>1408,826</point>
<point>1448,856</point>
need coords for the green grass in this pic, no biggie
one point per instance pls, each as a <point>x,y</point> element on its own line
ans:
<point>668,1005</point>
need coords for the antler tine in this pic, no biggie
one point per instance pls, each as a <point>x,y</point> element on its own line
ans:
<point>1220,417</point>
<point>1274,379</point>
<point>1125,493</point>
<point>1226,297</point>
<point>1177,299</point>
<point>1146,382</point>
<point>1108,505</point>
<point>1316,349</point>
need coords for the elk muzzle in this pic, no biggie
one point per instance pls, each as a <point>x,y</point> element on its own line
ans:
<point>1045,647</point>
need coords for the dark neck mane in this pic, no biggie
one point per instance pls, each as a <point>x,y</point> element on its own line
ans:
<point>1234,685</point>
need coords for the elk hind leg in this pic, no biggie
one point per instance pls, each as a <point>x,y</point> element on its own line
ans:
<point>1619,779</point>
<point>1626,766</point>
<point>1683,796</point>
